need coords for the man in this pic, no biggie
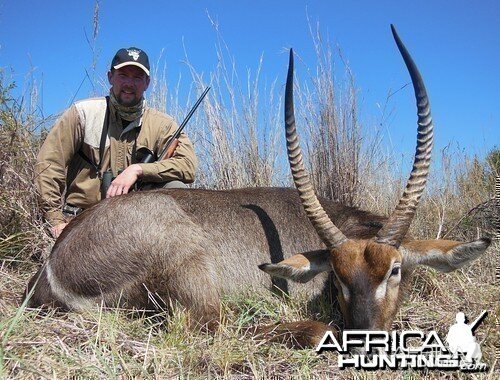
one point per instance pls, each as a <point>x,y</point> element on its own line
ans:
<point>100,136</point>
<point>461,339</point>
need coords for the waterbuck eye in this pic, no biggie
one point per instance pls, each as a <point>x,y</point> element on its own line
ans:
<point>395,271</point>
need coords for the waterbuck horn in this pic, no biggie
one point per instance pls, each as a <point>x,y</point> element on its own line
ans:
<point>325,228</point>
<point>396,227</point>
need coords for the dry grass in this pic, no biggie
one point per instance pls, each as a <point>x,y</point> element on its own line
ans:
<point>329,112</point>
<point>113,344</point>
<point>235,151</point>
<point>237,139</point>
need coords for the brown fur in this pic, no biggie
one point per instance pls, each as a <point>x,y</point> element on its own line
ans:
<point>426,245</point>
<point>149,249</point>
<point>186,246</point>
<point>368,274</point>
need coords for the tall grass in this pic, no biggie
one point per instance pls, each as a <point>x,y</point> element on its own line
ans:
<point>328,108</point>
<point>21,225</point>
<point>239,139</point>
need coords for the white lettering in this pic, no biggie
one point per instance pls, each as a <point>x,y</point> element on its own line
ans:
<point>428,342</point>
<point>329,336</point>
<point>409,349</point>
<point>403,341</point>
<point>346,361</point>
<point>373,341</point>
<point>350,341</point>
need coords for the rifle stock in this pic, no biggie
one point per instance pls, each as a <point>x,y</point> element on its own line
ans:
<point>144,155</point>
<point>171,147</point>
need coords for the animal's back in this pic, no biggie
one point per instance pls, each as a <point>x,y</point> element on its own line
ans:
<point>170,239</point>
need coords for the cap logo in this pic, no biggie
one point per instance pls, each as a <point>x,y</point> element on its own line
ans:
<point>134,54</point>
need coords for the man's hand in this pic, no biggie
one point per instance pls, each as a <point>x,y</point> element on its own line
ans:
<point>124,181</point>
<point>56,230</point>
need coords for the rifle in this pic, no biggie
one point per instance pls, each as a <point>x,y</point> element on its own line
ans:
<point>478,320</point>
<point>145,156</point>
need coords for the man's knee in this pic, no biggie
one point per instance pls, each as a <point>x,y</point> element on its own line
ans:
<point>174,185</point>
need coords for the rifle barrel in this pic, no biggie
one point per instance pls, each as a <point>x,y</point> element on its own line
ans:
<point>184,122</point>
<point>191,112</point>
<point>475,324</point>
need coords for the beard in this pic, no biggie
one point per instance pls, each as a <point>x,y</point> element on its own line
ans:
<point>128,107</point>
<point>127,99</point>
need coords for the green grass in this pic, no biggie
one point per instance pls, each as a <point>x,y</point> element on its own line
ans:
<point>115,344</point>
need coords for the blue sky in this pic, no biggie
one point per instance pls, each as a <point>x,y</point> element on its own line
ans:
<point>455,44</point>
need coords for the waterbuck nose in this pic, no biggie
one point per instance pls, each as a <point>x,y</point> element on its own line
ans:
<point>360,318</point>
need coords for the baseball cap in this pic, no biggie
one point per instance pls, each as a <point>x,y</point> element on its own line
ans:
<point>131,56</point>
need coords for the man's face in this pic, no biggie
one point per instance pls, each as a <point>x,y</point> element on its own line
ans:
<point>128,84</point>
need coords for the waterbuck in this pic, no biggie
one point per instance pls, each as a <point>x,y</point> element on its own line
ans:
<point>191,245</point>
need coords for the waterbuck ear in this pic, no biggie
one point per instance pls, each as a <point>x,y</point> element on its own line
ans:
<point>301,267</point>
<point>442,255</point>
